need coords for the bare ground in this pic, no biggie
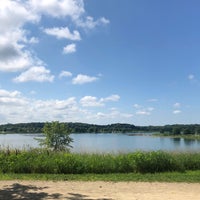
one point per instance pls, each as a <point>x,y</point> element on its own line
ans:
<point>39,190</point>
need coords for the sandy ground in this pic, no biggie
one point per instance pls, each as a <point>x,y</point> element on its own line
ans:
<point>39,190</point>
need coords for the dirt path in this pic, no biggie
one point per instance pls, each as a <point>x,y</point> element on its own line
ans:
<point>39,190</point>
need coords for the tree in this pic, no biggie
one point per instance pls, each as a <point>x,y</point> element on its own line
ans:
<point>187,131</point>
<point>57,136</point>
<point>176,131</point>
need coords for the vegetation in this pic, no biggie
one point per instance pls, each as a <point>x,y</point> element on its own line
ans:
<point>177,129</point>
<point>41,161</point>
<point>56,136</point>
<point>188,176</point>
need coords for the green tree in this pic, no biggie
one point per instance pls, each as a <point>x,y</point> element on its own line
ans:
<point>57,136</point>
<point>176,131</point>
<point>187,131</point>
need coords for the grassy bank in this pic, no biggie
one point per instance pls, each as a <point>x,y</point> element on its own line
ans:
<point>187,177</point>
<point>40,161</point>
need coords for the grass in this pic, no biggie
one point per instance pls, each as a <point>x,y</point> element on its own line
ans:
<point>43,161</point>
<point>187,177</point>
<point>41,164</point>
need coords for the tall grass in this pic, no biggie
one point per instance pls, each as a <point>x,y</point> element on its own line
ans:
<point>49,162</point>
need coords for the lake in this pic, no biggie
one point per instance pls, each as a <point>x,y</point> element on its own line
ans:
<point>107,143</point>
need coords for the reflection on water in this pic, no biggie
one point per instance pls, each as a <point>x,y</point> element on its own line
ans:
<point>189,142</point>
<point>107,142</point>
<point>176,141</point>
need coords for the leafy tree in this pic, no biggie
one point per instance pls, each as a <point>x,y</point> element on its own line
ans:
<point>57,136</point>
<point>176,131</point>
<point>187,131</point>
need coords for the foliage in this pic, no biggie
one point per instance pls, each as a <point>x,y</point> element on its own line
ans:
<point>44,161</point>
<point>188,176</point>
<point>176,129</point>
<point>56,136</point>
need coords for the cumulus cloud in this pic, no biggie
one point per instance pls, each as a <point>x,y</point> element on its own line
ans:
<point>63,32</point>
<point>142,110</point>
<point>176,112</point>
<point>11,98</point>
<point>90,23</point>
<point>15,50</point>
<point>14,14</point>
<point>13,38</point>
<point>82,79</point>
<point>59,8</point>
<point>112,116</point>
<point>89,101</point>
<point>39,74</point>
<point>14,104</point>
<point>113,97</point>
<point>65,74</point>
<point>13,57</point>
<point>71,48</point>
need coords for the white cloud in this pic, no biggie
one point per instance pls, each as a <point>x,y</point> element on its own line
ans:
<point>14,14</point>
<point>82,79</point>
<point>13,98</point>
<point>65,74</point>
<point>33,40</point>
<point>17,108</point>
<point>15,50</point>
<point>150,109</point>
<point>63,32</point>
<point>71,48</point>
<point>39,74</point>
<point>113,97</point>
<point>73,9</point>
<point>137,106</point>
<point>90,23</point>
<point>112,116</point>
<point>176,112</point>
<point>143,112</point>
<point>13,38</point>
<point>13,57</point>
<point>89,101</point>
<point>177,105</point>
<point>59,8</point>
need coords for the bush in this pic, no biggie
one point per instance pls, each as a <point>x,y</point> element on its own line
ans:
<point>51,162</point>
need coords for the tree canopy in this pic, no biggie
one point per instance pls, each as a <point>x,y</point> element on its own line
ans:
<point>57,136</point>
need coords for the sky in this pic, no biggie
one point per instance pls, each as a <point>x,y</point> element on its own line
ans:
<point>100,61</point>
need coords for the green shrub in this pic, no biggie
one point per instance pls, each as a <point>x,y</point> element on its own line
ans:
<point>51,162</point>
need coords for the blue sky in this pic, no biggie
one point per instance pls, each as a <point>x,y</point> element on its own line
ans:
<point>101,62</point>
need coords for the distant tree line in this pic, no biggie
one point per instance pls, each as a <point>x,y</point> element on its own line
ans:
<point>37,127</point>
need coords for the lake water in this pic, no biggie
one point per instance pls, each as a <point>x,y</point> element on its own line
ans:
<point>112,143</point>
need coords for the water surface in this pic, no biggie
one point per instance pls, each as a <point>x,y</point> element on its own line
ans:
<point>112,143</point>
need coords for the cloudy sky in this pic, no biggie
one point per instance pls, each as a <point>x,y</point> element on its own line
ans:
<point>102,62</point>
